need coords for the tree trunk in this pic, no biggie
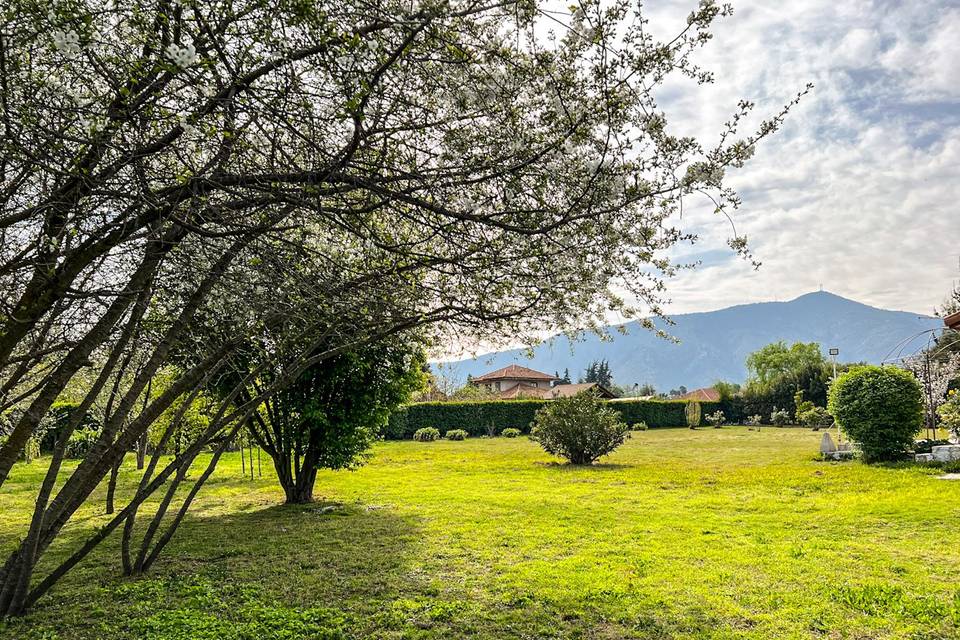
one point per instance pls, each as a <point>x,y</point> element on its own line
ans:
<point>299,493</point>
<point>141,452</point>
<point>297,487</point>
<point>112,483</point>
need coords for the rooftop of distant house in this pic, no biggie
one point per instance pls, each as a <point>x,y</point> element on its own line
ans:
<point>515,372</point>
<point>706,394</point>
<point>514,381</point>
<point>953,321</point>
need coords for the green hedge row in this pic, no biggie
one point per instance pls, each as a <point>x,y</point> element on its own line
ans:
<point>492,417</point>
<point>660,413</point>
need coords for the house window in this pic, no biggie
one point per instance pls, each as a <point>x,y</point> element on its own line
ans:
<point>498,385</point>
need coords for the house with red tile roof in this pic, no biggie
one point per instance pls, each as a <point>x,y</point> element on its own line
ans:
<point>513,381</point>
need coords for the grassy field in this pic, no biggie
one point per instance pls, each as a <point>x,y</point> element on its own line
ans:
<point>723,533</point>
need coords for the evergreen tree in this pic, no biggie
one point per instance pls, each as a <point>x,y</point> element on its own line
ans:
<point>598,371</point>
<point>646,389</point>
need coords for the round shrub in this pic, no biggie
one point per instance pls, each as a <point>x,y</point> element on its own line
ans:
<point>581,428</point>
<point>879,407</point>
<point>510,432</point>
<point>456,434</point>
<point>427,434</point>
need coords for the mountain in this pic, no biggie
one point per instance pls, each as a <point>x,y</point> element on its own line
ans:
<point>714,345</point>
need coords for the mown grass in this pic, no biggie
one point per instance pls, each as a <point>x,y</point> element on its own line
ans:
<point>719,534</point>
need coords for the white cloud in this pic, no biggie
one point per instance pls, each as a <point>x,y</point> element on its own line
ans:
<point>860,190</point>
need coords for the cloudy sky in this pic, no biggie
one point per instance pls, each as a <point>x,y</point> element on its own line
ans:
<point>860,191</point>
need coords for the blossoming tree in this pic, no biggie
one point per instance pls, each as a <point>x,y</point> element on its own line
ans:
<point>471,169</point>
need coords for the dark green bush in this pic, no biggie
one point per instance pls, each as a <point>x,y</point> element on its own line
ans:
<point>656,414</point>
<point>510,432</point>
<point>482,417</point>
<point>926,446</point>
<point>879,407</point>
<point>427,434</point>
<point>58,419</point>
<point>581,428</point>
<point>456,434</point>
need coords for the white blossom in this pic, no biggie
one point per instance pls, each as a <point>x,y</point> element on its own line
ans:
<point>66,43</point>
<point>183,56</point>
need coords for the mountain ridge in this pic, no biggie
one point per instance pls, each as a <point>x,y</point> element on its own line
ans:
<point>713,345</point>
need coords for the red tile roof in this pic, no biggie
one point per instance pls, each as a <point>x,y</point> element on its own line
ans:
<point>568,390</point>
<point>953,321</point>
<point>523,391</point>
<point>559,391</point>
<point>704,395</point>
<point>514,372</point>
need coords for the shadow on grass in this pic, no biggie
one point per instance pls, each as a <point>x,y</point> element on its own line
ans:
<point>569,466</point>
<point>234,570</point>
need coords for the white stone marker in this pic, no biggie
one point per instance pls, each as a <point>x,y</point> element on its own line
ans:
<point>946,452</point>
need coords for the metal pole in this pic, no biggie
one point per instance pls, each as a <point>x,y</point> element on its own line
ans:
<point>931,422</point>
<point>834,352</point>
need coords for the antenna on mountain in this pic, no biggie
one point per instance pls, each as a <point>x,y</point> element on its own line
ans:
<point>821,287</point>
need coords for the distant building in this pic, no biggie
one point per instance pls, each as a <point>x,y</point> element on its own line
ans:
<point>707,394</point>
<point>514,382</point>
<point>953,321</point>
<point>514,376</point>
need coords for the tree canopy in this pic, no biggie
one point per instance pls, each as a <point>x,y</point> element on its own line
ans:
<point>180,178</point>
<point>333,411</point>
<point>778,360</point>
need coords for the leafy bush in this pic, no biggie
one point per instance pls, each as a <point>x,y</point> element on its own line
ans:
<point>780,417</point>
<point>59,418</point>
<point>692,413</point>
<point>581,428</point>
<point>427,434</point>
<point>510,432</point>
<point>456,434</point>
<point>754,420</point>
<point>657,413</point>
<point>949,413</point>
<point>814,417</point>
<point>640,426</point>
<point>482,418</point>
<point>716,419</point>
<point>80,443</point>
<point>879,407</point>
<point>801,406</point>
<point>926,446</point>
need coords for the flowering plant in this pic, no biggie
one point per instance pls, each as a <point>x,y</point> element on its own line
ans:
<point>949,413</point>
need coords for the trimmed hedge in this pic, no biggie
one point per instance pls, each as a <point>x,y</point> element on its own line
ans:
<point>493,416</point>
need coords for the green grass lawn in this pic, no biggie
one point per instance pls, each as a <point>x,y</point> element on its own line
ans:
<point>725,533</point>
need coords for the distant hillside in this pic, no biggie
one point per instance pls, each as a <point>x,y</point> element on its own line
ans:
<point>714,345</point>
